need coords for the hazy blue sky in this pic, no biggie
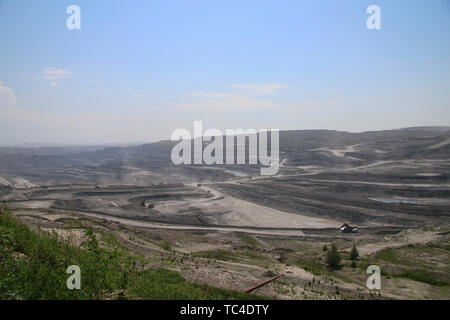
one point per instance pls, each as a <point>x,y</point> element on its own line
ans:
<point>139,69</point>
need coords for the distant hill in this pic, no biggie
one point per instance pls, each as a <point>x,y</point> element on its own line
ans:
<point>325,148</point>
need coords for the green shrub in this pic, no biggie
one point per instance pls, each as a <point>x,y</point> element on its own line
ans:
<point>333,258</point>
<point>354,254</point>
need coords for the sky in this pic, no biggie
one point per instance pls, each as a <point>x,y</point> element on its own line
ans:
<point>137,70</point>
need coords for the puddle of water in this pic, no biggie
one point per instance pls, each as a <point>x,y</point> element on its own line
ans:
<point>237,173</point>
<point>392,200</point>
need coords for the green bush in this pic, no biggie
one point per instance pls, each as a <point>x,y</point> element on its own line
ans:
<point>333,258</point>
<point>354,254</point>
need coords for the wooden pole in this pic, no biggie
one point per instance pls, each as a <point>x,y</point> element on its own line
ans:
<point>261,284</point>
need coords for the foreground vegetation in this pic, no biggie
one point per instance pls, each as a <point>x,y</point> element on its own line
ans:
<point>422,263</point>
<point>33,266</point>
<point>410,263</point>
